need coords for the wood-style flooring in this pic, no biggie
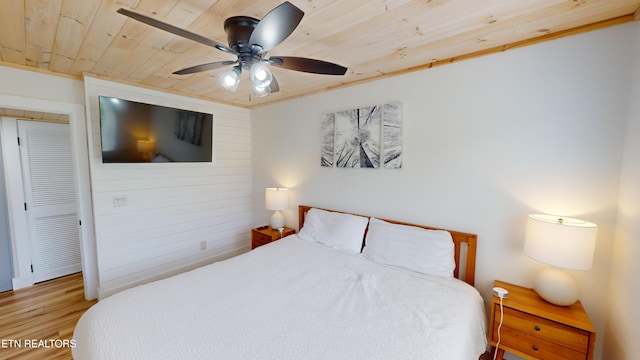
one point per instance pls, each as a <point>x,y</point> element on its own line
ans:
<point>38,322</point>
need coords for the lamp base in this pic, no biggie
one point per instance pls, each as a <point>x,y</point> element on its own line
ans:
<point>556,287</point>
<point>277,220</point>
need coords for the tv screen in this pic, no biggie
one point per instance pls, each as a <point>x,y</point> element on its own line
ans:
<point>133,132</point>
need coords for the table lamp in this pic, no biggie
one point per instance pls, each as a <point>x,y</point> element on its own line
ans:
<point>146,148</point>
<point>562,243</point>
<point>277,199</point>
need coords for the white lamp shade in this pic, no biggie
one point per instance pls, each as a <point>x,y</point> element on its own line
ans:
<point>146,145</point>
<point>277,199</point>
<point>560,241</point>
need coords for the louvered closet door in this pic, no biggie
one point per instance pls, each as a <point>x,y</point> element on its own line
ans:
<point>47,172</point>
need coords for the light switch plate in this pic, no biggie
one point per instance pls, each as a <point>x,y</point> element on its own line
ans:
<point>120,200</point>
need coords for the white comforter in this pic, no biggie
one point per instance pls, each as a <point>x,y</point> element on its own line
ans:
<point>291,299</point>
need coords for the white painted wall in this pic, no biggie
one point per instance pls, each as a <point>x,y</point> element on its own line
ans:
<point>172,207</point>
<point>486,142</point>
<point>622,331</point>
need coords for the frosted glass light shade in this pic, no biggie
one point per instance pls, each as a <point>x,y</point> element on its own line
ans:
<point>261,77</point>
<point>230,79</point>
<point>261,91</point>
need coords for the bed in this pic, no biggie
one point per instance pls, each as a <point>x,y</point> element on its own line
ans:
<point>318,294</point>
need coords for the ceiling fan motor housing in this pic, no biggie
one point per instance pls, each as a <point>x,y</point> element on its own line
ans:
<point>239,29</point>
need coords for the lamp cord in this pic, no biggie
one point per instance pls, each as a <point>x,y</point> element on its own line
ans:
<point>499,327</point>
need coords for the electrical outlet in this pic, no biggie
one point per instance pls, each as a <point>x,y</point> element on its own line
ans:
<point>120,200</point>
<point>203,245</point>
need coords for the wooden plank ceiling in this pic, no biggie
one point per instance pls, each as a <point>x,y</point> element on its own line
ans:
<point>373,38</point>
<point>34,115</point>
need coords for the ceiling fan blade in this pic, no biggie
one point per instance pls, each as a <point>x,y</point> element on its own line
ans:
<point>175,30</point>
<point>204,67</point>
<point>276,26</point>
<point>274,87</point>
<point>307,65</point>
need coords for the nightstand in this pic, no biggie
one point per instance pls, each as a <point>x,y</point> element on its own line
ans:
<point>535,329</point>
<point>262,236</point>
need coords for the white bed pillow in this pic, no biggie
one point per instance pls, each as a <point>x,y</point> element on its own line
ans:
<point>336,230</point>
<point>426,251</point>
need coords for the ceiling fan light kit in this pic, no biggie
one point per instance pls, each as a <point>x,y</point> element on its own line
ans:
<point>261,91</point>
<point>230,79</point>
<point>249,40</point>
<point>260,75</point>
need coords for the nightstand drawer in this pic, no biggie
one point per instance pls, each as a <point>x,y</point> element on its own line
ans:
<point>560,334</point>
<point>264,235</point>
<point>537,347</point>
<point>260,239</point>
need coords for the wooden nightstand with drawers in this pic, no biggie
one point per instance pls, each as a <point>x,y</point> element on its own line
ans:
<point>264,235</point>
<point>535,329</point>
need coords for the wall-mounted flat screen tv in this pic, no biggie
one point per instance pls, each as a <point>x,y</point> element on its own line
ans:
<point>134,132</point>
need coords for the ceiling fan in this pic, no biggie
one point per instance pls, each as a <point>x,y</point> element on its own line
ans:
<point>249,40</point>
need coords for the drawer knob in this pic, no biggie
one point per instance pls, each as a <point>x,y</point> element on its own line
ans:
<point>537,328</point>
<point>535,347</point>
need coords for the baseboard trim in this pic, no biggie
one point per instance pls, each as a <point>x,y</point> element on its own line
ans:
<point>105,293</point>
<point>21,282</point>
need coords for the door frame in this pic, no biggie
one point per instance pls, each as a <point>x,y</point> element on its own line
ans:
<point>4,220</point>
<point>17,220</point>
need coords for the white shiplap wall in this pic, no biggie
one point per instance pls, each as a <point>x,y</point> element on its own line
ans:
<point>171,207</point>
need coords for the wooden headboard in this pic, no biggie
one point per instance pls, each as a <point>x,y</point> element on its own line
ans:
<point>465,245</point>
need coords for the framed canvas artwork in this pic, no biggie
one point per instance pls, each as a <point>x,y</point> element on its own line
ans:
<point>366,137</point>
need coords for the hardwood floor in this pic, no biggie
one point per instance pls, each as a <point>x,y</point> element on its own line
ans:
<point>38,322</point>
